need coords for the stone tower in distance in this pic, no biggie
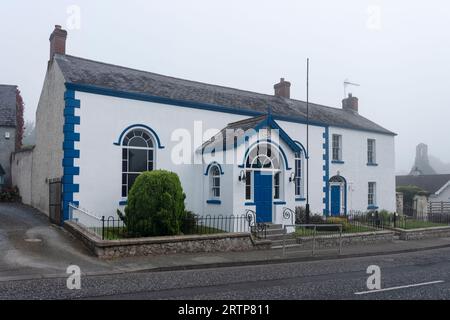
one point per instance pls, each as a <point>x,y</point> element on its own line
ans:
<point>422,163</point>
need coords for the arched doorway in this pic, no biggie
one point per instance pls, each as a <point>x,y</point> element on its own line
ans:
<point>264,167</point>
<point>338,196</point>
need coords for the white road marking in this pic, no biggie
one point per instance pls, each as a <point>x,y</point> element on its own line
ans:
<point>400,287</point>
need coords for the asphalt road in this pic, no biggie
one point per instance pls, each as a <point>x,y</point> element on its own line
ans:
<point>331,279</point>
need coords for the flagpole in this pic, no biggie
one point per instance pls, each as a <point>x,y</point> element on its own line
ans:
<point>307,143</point>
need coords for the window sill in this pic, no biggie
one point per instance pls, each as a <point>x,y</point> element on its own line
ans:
<point>300,199</point>
<point>279,203</point>
<point>372,164</point>
<point>373,207</point>
<point>337,162</point>
<point>216,202</point>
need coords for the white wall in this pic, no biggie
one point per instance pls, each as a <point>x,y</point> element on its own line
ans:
<point>102,121</point>
<point>358,174</point>
<point>104,118</point>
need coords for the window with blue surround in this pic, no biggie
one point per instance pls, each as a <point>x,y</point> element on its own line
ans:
<point>371,152</point>
<point>298,175</point>
<point>138,155</point>
<point>337,148</point>
<point>214,174</point>
<point>248,185</point>
<point>372,194</point>
<point>276,186</point>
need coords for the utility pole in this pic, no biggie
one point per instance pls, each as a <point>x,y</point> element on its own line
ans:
<point>307,143</point>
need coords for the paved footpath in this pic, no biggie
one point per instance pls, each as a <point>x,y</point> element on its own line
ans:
<point>31,248</point>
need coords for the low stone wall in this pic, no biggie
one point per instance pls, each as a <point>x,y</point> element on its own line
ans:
<point>423,233</point>
<point>110,249</point>
<point>332,241</point>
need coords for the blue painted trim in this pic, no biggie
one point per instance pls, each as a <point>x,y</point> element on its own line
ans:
<point>271,123</point>
<point>69,94</point>
<point>70,152</point>
<point>372,164</point>
<point>72,120</point>
<point>337,162</point>
<point>71,171</point>
<point>300,199</point>
<point>71,136</point>
<point>372,207</point>
<point>326,175</point>
<point>303,148</point>
<point>68,162</point>
<point>69,111</point>
<point>247,204</point>
<point>73,154</point>
<point>214,164</point>
<point>73,103</point>
<point>123,203</point>
<point>216,202</point>
<point>279,203</point>
<point>196,105</point>
<point>143,126</point>
<point>270,142</point>
<point>68,128</point>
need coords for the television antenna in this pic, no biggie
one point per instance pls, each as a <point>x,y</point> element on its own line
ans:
<point>348,83</point>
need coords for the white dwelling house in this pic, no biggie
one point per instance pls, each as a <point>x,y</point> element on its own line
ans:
<point>100,125</point>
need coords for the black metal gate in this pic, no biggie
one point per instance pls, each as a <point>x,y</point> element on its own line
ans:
<point>55,200</point>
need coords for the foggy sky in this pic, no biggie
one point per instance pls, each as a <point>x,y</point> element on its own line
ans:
<point>401,60</point>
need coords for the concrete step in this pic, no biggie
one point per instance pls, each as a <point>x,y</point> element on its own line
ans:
<point>275,231</point>
<point>280,236</point>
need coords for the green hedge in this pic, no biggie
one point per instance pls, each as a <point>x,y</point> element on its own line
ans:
<point>155,205</point>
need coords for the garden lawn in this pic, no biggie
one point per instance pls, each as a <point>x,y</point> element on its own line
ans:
<point>353,228</point>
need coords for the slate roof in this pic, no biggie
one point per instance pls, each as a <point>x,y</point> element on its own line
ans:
<point>226,137</point>
<point>87,72</point>
<point>8,105</point>
<point>430,183</point>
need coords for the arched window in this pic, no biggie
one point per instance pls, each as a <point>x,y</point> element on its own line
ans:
<point>138,155</point>
<point>299,190</point>
<point>263,157</point>
<point>214,174</point>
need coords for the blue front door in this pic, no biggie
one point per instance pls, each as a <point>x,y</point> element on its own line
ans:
<point>263,196</point>
<point>335,200</point>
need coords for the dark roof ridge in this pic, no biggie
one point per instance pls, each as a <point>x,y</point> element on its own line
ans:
<point>195,81</point>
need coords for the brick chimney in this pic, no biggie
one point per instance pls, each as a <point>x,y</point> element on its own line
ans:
<point>58,41</point>
<point>283,89</point>
<point>350,103</point>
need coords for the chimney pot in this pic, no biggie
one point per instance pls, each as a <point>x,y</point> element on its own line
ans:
<point>283,89</point>
<point>350,104</point>
<point>58,41</point>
